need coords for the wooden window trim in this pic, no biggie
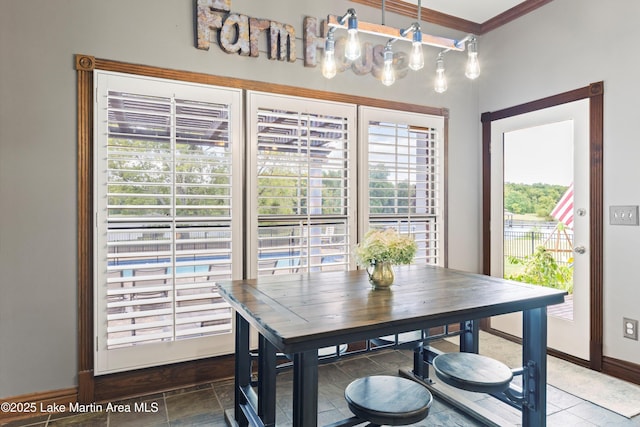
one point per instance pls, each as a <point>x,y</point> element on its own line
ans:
<point>113,386</point>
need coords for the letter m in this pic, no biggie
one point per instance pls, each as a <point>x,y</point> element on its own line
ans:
<point>282,39</point>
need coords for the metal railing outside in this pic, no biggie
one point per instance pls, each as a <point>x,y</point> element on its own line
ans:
<point>522,243</point>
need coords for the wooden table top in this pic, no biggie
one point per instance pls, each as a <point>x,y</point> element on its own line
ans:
<point>302,312</point>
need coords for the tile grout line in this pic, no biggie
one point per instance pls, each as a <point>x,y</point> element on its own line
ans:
<point>166,408</point>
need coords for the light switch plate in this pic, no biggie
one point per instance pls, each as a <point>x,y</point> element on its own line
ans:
<point>623,215</point>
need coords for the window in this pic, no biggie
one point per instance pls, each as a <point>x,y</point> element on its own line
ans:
<point>167,172</point>
<point>401,163</point>
<point>96,78</point>
<point>169,199</point>
<point>303,171</point>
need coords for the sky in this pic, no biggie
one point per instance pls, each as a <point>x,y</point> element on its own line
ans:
<point>541,154</point>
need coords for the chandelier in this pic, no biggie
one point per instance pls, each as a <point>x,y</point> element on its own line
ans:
<point>413,34</point>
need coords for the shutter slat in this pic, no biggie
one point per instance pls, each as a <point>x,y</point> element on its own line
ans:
<point>205,318</point>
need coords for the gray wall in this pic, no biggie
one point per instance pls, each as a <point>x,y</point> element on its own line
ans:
<point>562,46</point>
<point>38,40</point>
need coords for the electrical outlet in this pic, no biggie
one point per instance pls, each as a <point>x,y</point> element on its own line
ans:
<point>630,328</point>
<point>623,215</point>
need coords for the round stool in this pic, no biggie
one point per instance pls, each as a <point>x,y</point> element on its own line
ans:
<point>472,372</point>
<point>388,400</point>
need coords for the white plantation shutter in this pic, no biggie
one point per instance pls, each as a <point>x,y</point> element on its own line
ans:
<point>403,166</point>
<point>169,203</point>
<point>167,157</point>
<point>303,160</point>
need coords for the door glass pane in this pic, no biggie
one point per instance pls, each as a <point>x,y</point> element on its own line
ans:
<point>538,209</point>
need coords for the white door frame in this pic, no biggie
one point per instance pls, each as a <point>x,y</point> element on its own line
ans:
<point>595,93</point>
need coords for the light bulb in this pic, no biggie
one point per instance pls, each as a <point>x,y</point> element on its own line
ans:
<point>352,49</point>
<point>329,61</point>
<point>440,85</point>
<point>416,59</point>
<point>472,70</point>
<point>329,64</point>
<point>388,74</point>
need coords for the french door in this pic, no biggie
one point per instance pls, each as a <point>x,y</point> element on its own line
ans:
<point>586,119</point>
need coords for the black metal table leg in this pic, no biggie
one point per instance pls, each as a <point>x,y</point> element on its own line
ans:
<point>534,361</point>
<point>419,369</point>
<point>470,336</point>
<point>305,389</point>
<point>267,382</point>
<point>242,369</point>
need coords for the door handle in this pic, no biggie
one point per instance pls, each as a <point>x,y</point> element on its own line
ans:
<point>580,249</point>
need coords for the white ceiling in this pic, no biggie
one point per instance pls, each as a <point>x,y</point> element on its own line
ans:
<point>478,11</point>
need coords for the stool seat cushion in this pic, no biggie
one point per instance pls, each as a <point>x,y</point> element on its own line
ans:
<point>388,400</point>
<point>472,372</point>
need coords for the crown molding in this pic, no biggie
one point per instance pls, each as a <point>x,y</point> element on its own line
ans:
<point>407,9</point>
<point>512,14</point>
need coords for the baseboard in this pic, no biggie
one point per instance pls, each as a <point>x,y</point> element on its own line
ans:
<point>622,369</point>
<point>36,405</point>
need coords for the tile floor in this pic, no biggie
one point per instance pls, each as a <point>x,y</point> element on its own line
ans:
<point>204,405</point>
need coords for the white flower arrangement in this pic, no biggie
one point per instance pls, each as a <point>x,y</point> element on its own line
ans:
<point>385,246</point>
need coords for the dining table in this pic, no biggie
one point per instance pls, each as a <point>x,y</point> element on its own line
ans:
<point>297,314</point>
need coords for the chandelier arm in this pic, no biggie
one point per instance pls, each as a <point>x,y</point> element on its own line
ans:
<point>410,29</point>
<point>333,21</point>
<point>351,13</point>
